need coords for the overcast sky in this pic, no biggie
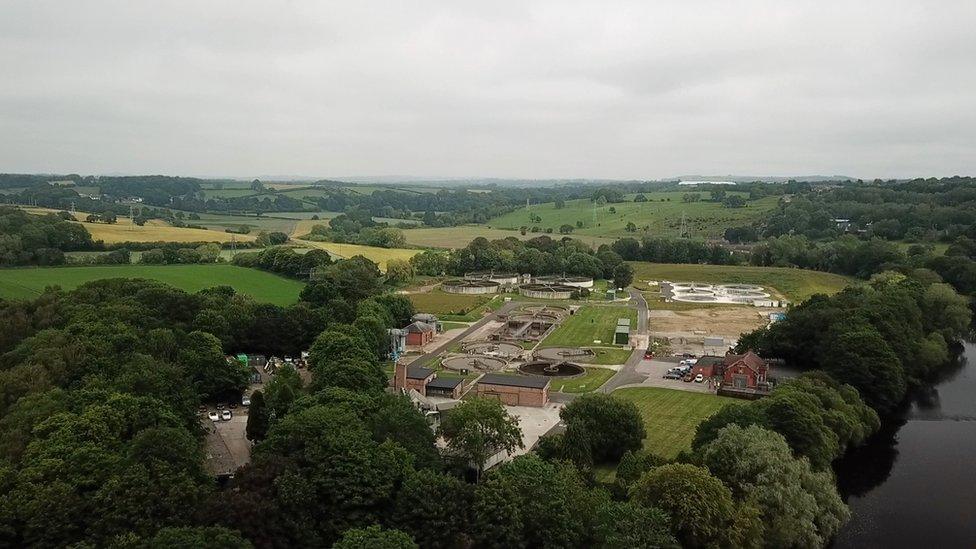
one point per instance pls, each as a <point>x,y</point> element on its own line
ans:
<point>489,88</point>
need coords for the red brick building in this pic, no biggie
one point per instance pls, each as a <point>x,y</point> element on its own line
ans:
<point>420,333</point>
<point>515,390</point>
<point>746,371</point>
<point>745,375</point>
<point>412,377</point>
<point>425,381</point>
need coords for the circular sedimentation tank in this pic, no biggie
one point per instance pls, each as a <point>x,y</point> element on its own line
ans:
<point>751,287</point>
<point>492,348</point>
<point>697,298</point>
<point>480,363</point>
<point>575,281</point>
<point>691,285</point>
<point>491,276</point>
<point>552,369</point>
<point>460,286</point>
<point>547,291</point>
<point>557,354</point>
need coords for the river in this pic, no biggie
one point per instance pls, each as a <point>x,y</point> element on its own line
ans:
<point>914,483</point>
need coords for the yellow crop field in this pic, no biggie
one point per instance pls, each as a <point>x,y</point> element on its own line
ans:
<point>126,231</point>
<point>378,255</point>
<point>304,226</point>
<point>155,230</point>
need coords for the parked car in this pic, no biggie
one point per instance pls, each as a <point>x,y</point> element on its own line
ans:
<point>699,378</point>
<point>226,415</point>
<point>648,355</point>
<point>672,375</point>
<point>687,378</point>
<point>689,355</point>
<point>214,416</point>
<point>245,400</point>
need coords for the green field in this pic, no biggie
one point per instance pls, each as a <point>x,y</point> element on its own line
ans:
<point>590,381</point>
<point>459,237</point>
<point>663,218</point>
<point>794,284</point>
<point>442,303</point>
<point>671,416</point>
<point>27,283</point>
<point>590,323</point>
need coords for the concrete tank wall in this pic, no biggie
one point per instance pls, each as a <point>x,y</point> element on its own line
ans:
<point>546,294</point>
<point>463,289</point>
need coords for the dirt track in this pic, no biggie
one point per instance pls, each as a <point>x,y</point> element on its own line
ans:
<point>718,321</point>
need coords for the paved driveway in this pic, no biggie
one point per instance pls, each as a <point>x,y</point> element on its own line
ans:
<point>655,370</point>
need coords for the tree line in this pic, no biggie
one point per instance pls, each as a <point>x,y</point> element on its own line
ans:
<point>27,239</point>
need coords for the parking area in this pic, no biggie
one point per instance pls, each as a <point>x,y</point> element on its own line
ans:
<point>227,448</point>
<point>656,368</point>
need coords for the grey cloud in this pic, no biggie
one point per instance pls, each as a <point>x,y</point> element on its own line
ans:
<point>505,89</point>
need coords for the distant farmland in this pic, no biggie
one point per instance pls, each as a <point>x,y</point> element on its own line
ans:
<point>794,284</point>
<point>28,283</point>
<point>662,213</point>
<point>461,236</point>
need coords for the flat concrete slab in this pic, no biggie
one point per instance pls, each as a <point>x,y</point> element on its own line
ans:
<point>534,422</point>
<point>227,448</point>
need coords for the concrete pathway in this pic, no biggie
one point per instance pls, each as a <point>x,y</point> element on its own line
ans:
<point>628,374</point>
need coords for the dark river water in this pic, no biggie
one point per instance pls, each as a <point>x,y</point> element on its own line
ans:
<point>914,484</point>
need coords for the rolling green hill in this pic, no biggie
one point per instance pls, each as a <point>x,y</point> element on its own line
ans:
<point>27,283</point>
<point>661,214</point>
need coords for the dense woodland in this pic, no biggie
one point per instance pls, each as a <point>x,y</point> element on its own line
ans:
<point>541,255</point>
<point>101,444</point>
<point>38,240</point>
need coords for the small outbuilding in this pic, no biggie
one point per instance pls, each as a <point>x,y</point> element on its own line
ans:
<point>420,333</point>
<point>621,334</point>
<point>515,390</point>
<point>445,387</point>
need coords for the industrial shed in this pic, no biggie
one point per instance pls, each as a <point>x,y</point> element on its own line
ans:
<point>621,335</point>
<point>515,390</point>
<point>445,387</point>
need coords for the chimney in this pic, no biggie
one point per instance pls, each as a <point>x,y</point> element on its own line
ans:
<point>399,376</point>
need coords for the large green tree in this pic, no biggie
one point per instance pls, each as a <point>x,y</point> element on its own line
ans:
<point>608,425</point>
<point>434,509</point>
<point>478,428</point>
<point>702,511</point>
<point>337,477</point>
<point>374,537</point>
<point>799,507</point>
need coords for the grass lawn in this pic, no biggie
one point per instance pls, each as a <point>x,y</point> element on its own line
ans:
<point>453,325</point>
<point>590,381</point>
<point>442,303</point>
<point>794,284</point>
<point>27,283</point>
<point>671,416</point>
<point>661,214</point>
<point>610,355</point>
<point>589,324</point>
